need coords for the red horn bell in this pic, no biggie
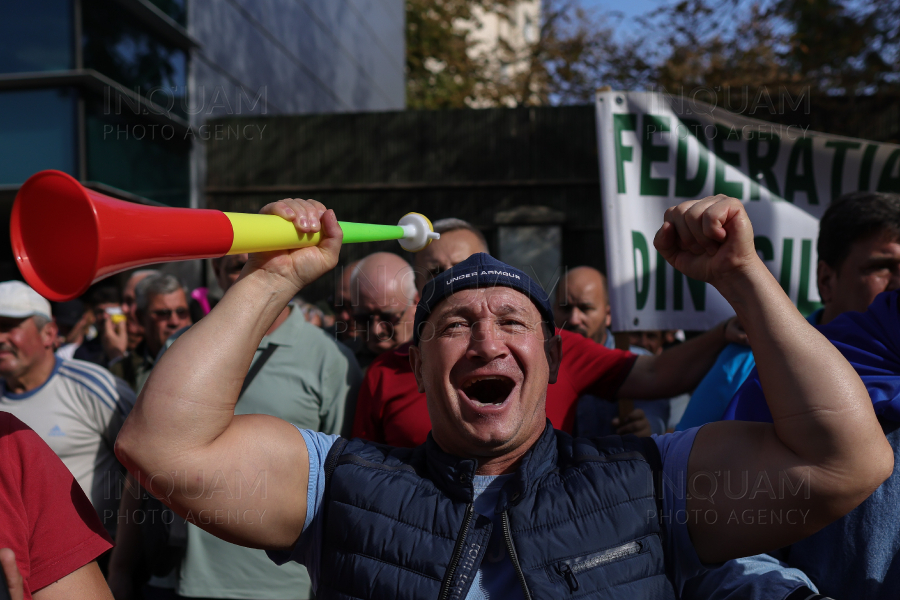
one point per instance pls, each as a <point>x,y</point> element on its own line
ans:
<point>65,236</point>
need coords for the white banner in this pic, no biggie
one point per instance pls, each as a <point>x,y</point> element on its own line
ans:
<point>657,151</point>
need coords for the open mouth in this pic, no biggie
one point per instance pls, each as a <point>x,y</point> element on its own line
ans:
<point>489,389</point>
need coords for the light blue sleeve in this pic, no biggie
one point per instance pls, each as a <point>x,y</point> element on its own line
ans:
<point>711,398</point>
<point>756,577</point>
<point>681,557</point>
<point>760,577</point>
<point>306,551</point>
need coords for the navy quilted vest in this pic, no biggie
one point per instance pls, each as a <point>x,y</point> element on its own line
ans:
<point>579,520</point>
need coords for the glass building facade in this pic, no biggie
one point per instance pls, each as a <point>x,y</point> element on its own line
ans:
<point>97,89</point>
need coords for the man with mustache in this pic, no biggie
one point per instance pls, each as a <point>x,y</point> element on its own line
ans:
<point>584,516</point>
<point>582,307</point>
<point>75,406</point>
<point>392,410</point>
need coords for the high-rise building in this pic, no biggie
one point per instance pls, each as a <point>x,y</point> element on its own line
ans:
<point>117,92</point>
<point>503,38</point>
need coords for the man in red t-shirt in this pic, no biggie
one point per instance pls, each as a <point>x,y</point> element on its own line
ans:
<point>47,521</point>
<point>392,410</point>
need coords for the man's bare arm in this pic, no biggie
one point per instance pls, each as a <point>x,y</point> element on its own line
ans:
<point>679,369</point>
<point>86,583</point>
<point>242,478</point>
<point>824,453</point>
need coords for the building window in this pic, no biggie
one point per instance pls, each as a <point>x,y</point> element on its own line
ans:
<point>176,10</point>
<point>37,132</point>
<point>142,157</point>
<point>121,47</point>
<point>38,35</point>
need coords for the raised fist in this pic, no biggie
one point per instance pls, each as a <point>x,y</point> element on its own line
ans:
<point>707,239</point>
<point>301,266</point>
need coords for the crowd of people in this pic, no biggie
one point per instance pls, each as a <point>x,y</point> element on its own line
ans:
<point>447,428</point>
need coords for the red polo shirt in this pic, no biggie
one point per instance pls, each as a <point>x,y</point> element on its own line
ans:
<point>390,409</point>
<point>44,516</point>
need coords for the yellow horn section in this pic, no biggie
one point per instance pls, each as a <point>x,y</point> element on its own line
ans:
<point>265,233</point>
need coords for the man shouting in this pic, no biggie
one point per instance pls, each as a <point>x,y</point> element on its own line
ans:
<point>497,504</point>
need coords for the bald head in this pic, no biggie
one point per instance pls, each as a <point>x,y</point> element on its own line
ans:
<point>342,283</point>
<point>459,240</point>
<point>582,303</point>
<point>383,297</point>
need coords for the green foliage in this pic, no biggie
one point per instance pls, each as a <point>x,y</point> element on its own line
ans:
<point>739,50</point>
<point>574,50</point>
<point>834,47</point>
<point>440,72</point>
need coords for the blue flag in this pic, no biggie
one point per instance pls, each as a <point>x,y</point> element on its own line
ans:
<point>870,341</point>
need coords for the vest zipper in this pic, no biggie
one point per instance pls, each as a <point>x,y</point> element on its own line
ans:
<point>457,552</point>
<point>512,554</point>
<point>568,570</point>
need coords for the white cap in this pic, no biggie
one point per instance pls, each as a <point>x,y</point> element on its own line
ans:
<point>18,300</point>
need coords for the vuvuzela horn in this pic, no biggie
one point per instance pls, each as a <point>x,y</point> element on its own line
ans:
<point>65,236</point>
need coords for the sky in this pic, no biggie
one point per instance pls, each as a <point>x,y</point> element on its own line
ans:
<point>629,9</point>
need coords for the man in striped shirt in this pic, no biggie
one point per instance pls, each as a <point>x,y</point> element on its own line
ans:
<point>76,407</point>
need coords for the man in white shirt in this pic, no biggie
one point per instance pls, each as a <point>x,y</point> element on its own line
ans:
<point>75,406</point>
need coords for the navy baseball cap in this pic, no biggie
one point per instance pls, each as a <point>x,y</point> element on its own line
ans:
<point>478,271</point>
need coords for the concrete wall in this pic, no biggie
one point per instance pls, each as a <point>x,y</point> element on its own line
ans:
<point>297,56</point>
<point>282,57</point>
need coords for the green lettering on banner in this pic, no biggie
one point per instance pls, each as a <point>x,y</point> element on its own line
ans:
<point>804,304</point>
<point>651,153</point>
<point>661,268</point>
<point>696,288</point>
<point>684,187</point>
<point>837,164</point>
<point>766,250</point>
<point>787,260</point>
<point>764,247</point>
<point>801,182</point>
<point>623,122</point>
<point>762,165</point>
<point>865,167</point>
<point>639,242</point>
<point>721,186</point>
<point>888,182</point>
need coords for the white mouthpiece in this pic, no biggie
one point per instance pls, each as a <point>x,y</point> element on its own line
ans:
<point>417,232</point>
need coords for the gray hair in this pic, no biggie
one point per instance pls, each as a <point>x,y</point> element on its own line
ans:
<point>452,224</point>
<point>144,273</point>
<point>40,321</point>
<point>155,285</point>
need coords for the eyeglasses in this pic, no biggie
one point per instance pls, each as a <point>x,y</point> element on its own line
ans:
<point>373,318</point>
<point>166,314</point>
